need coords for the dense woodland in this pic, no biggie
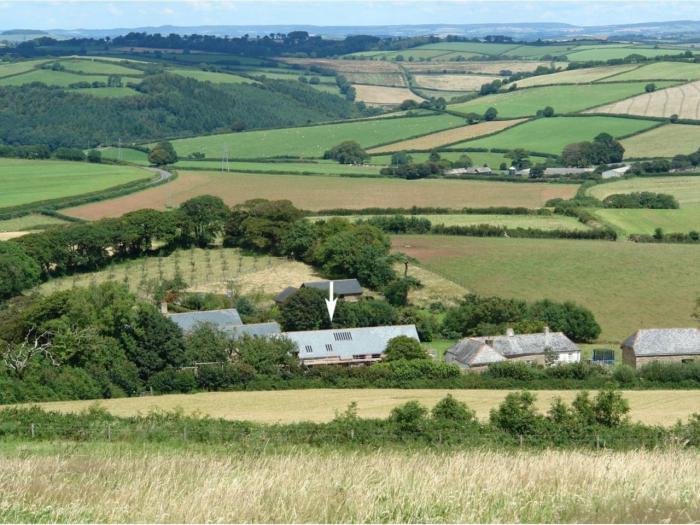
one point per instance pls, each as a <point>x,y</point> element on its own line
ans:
<point>166,105</point>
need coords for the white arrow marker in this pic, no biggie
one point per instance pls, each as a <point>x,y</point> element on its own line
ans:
<point>330,302</point>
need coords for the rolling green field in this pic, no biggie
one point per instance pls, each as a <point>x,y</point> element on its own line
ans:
<point>575,76</point>
<point>608,53</point>
<point>51,78</point>
<point>96,67</point>
<point>551,135</point>
<point>685,188</point>
<point>481,48</point>
<point>316,168</point>
<point>662,70</point>
<point>554,222</point>
<point>564,99</point>
<point>211,76</point>
<point>14,68</point>
<point>127,155</point>
<point>626,285</point>
<point>25,181</point>
<point>663,141</point>
<point>312,141</point>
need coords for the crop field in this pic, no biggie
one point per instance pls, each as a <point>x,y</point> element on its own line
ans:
<point>75,483</point>
<point>662,70</point>
<point>683,101</point>
<point>25,181</point>
<point>315,192</point>
<point>491,67</point>
<point>348,66</point>
<point>14,68</point>
<point>542,222</point>
<point>685,188</point>
<point>29,222</point>
<point>626,285</point>
<point>575,76</point>
<point>383,95</point>
<point>657,407</point>
<point>608,53</point>
<point>391,79</point>
<point>449,136</point>
<point>97,67</point>
<point>312,141</point>
<point>317,168</point>
<point>564,99</point>
<point>214,270</point>
<point>479,158</point>
<point>552,134</point>
<point>211,76</point>
<point>453,82</point>
<point>51,78</point>
<point>663,141</point>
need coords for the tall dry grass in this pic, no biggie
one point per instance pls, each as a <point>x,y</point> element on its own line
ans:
<point>132,484</point>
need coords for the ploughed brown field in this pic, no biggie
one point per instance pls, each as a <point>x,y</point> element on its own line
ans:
<point>312,192</point>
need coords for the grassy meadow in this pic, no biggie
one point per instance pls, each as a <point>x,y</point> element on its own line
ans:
<point>662,70</point>
<point>50,78</point>
<point>211,76</point>
<point>626,285</point>
<point>13,68</point>
<point>25,181</point>
<point>564,99</point>
<point>109,483</point>
<point>312,141</point>
<point>97,67</point>
<point>318,192</point>
<point>663,141</point>
<point>32,221</point>
<point>575,76</point>
<point>318,168</point>
<point>612,52</point>
<point>653,407</point>
<point>550,135</point>
<point>686,189</point>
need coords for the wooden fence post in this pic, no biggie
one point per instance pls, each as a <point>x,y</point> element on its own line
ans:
<point>32,430</point>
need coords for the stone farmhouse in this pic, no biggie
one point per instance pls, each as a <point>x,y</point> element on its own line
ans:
<point>477,353</point>
<point>679,345</point>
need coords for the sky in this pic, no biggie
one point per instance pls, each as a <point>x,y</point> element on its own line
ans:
<point>106,14</point>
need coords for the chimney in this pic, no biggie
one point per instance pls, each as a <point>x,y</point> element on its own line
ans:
<point>164,308</point>
<point>510,332</point>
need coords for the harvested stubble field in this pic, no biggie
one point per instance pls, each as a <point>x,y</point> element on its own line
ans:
<point>575,76</point>
<point>663,141</point>
<point>449,136</point>
<point>383,95</point>
<point>626,285</point>
<point>551,135</point>
<point>654,407</point>
<point>25,181</point>
<point>61,482</point>
<point>215,271</point>
<point>454,82</point>
<point>683,101</point>
<point>313,141</point>
<point>379,79</point>
<point>564,99</point>
<point>491,67</point>
<point>312,192</point>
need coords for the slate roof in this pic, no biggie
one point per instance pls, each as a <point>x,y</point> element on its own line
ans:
<point>529,344</point>
<point>219,318</point>
<point>341,287</point>
<point>255,330</point>
<point>664,341</point>
<point>284,294</point>
<point>347,342</point>
<point>469,353</point>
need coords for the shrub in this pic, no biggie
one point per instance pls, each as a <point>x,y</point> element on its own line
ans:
<point>517,414</point>
<point>624,374</point>
<point>513,370</point>
<point>450,410</point>
<point>409,418</point>
<point>404,348</point>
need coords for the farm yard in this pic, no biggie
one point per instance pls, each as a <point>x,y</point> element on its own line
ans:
<point>75,483</point>
<point>314,192</point>
<point>564,99</point>
<point>652,407</point>
<point>683,101</point>
<point>550,135</point>
<point>626,285</point>
<point>450,136</point>
<point>25,181</point>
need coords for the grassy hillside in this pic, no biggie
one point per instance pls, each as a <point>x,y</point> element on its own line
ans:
<point>312,141</point>
<point>564,99</point>
<point>626,285</point>
<point>552,134</point>
<point>25,181</point>
<point>664,141</point>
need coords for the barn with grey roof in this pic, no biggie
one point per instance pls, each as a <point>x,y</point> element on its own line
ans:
<point>347,289</point>
<point>227,320</point>
<point>346,346</point>
<point>661,344</point>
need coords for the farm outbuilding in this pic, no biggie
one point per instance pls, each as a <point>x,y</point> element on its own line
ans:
<point>477,353</point>
<point>227,320</point>
<point>346,346</point>
<point>348,289</point>
<point>673,345</point>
